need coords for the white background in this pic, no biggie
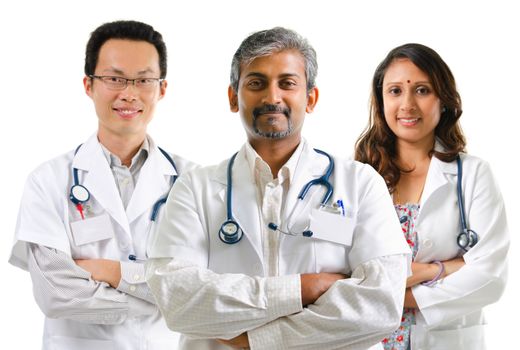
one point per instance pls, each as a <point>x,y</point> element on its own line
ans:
<point>45,111</point>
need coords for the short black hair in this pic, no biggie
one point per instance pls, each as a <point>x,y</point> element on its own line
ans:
<point>130,30</point>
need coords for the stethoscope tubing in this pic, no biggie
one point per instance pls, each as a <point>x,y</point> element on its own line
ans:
<point>237,233</point>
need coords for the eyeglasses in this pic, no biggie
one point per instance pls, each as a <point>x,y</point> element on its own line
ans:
<point>120,83</point>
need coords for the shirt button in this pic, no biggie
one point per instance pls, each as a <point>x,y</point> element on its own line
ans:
<point>136,277</point>
<point>132,288</point>
<point>125,181</point>
<point>258,268</point>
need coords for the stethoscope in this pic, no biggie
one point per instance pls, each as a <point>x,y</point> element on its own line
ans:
<point>467,238</point>
<point>230,231</point>
<point>79,194</point>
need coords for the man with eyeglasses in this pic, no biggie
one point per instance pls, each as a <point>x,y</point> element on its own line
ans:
<point>86,216</point>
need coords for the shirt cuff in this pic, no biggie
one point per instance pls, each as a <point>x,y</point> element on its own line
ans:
<point>267,337</point>
<point>133,280</point>
<point>283,296</point>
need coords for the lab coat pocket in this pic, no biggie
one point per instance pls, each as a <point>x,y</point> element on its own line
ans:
<point>68,343</point>
<point>332,234</point>
<point>467,338</point>
<point>91,230</point>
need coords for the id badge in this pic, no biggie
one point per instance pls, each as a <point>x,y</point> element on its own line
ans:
<point>93,229</point>
<point>332,227</point>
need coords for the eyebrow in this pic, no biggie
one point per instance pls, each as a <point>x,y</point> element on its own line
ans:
<point>120,72</point>
<point>260,75</point>
<point>400,83</point>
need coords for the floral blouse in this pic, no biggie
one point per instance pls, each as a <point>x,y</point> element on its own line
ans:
<point>400,339</point>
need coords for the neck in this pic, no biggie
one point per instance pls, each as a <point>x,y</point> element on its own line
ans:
<point>123,146</point>
<point>411,155</point>
<point>275,152</point>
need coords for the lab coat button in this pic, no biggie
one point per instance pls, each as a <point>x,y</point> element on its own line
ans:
<point>132,288</point>
<point>123,246</point>
<point>427,243</point>
<point>137,277</point>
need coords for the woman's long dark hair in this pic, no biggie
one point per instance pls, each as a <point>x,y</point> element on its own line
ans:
<point>377,144</point>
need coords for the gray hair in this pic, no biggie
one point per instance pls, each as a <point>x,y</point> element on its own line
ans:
<point>267,42</point>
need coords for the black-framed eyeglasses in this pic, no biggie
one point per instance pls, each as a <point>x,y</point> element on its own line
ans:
<point>120,83</point>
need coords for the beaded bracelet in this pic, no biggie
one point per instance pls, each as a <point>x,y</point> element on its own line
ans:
<point>437,277</point>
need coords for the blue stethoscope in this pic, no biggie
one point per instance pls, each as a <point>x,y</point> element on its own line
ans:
<point>79,194</point>
<point>230,231</point>
<point>467,238</point>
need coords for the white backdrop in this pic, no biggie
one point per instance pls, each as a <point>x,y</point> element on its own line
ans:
<point>46,112</point>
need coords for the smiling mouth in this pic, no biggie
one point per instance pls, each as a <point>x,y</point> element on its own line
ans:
<point>408,122</point>
<point>127,113</point>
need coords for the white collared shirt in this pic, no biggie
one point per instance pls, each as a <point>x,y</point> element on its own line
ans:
<point>271,198</point>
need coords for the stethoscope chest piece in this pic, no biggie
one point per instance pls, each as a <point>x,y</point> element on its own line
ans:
<point>230,232</point>
<point>467,239</point>
<point>79,194</point>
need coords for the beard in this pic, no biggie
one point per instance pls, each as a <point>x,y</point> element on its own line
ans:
<point>257,112</point>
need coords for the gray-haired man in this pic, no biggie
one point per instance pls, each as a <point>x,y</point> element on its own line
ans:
<point>255,251</point>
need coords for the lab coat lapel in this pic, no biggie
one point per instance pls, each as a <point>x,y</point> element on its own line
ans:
<point>436,177</point>
<point>99,180</point>
<point>153,183</point>
<point>310,166</point>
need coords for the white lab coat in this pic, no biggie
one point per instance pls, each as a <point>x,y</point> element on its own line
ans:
<point>189,232</point>
<point>450,314</point>
<point>45,217</point>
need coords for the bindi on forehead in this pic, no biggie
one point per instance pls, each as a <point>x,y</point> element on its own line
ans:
<point>408,81</point>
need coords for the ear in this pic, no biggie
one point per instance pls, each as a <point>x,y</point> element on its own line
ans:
<point>312,99</point>
<point>87,84</point>
<point>233,99</point>
<point>162,87</point>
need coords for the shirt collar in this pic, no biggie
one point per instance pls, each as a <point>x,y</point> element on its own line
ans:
<point>137,160</point>
<point>256,163</point>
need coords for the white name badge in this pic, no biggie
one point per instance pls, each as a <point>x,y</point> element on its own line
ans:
<point>92,229</point>
<point>332,227</point>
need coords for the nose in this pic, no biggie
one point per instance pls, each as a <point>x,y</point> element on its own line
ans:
<point>408,102</point>
<point>129,93</point>
<point>272,95</point>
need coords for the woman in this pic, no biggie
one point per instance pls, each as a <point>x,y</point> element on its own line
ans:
<point>413,140</point>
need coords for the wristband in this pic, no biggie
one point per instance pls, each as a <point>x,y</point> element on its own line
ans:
<point>437,277</point>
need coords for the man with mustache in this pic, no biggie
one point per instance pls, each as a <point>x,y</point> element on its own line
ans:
<point>245,258</point>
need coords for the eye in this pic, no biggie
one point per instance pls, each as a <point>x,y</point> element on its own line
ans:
<point>288,84</point>
<point>117,80</point>
<point>145,81</point>
<point>394,90</point>
<point>422,90</point>
<point>255,84</point>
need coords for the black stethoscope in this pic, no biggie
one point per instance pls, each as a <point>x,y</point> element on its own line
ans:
<point>79,194</point>
<point>467,238</point>
<point>230,231</point>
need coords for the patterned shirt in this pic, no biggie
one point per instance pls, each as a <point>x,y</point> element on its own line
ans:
<point>400,339</point>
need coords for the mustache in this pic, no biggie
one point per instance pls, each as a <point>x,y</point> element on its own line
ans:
<point>271,108</point>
